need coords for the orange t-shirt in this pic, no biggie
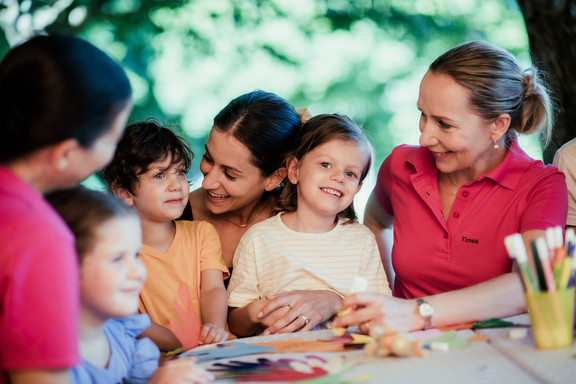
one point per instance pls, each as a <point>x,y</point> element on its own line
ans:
<point>196,247</point>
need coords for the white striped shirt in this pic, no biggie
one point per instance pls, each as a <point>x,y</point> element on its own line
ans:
<point>271,258</point>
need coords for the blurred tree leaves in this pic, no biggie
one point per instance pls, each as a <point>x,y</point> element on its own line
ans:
<point>363,58</point>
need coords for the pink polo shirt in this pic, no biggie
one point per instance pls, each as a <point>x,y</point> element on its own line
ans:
<point>431,255</point>
<point>39,282</point>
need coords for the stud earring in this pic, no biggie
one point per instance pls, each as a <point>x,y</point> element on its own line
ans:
<point>496,146</point>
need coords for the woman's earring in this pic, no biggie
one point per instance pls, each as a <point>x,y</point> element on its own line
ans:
<point>496,146</point>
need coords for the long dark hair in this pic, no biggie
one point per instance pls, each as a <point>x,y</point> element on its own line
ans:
<point>265,123</point>
<point>53,88</point>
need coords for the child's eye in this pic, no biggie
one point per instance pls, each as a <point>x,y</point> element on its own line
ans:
<point>160,175</point>
<point>351,174</point>
<point>181,172</point>
<point>325,164</point>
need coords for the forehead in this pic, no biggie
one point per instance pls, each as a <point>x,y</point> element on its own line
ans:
<point>438,89</point>
<point>164,163</point>
<point>226,150</point>
<point>119,232</point>
<point>347,151</point>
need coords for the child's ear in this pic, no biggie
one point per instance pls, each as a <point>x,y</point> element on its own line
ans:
<point>124,194</point>
<point>275,179</point>
<point>292,165</point>
<point>359,187</point>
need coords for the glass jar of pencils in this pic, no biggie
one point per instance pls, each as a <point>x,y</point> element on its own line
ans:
<point>552,317</point>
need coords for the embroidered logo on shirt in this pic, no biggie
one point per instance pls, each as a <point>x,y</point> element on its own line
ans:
<point>467,240</point>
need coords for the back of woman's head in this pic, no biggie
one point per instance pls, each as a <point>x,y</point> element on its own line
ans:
<point>144,143</point>
<point>498,85</point>
<point>85,210</point>
<point>263,122</point>
<point>54,88</point>
<point>317,131</point>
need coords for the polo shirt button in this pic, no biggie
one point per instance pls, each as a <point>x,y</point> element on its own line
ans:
<point>456,215</point>
<point>465,194</point>
<point>445,235</point>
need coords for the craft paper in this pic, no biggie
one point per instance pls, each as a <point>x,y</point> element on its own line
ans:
<point>187,327</point>
<point>229,349</point>
<point>301,345</point>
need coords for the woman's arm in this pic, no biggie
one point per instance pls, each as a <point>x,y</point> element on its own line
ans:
<point>498,297</point>
<point>380,223</point>
<point>214,305</point>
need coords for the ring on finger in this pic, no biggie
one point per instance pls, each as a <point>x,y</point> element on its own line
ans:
<point>306,320</point>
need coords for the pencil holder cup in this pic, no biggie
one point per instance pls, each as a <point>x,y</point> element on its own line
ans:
<point>552,317</point>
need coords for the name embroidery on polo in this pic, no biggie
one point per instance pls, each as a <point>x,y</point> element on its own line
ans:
<point>468,240</point>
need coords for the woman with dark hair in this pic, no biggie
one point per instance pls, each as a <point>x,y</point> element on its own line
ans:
<point>63,107</point>
<point>243,164</point>
<point>452,200</point>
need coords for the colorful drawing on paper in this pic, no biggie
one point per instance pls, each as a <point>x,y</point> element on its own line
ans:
<point>309,369</point>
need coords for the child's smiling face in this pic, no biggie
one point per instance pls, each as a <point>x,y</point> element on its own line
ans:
<point>111,273</point>
<point>329,176</point>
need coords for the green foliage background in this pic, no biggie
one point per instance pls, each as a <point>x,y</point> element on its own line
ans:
<point>363,58</point>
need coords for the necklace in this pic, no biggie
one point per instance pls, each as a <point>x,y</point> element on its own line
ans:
<point>251,218</point>
<point>451,182</point>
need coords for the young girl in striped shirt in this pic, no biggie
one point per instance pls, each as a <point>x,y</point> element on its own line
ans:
<point>292,270</point>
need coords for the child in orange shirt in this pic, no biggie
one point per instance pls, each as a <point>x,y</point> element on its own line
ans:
<point>183,258</point>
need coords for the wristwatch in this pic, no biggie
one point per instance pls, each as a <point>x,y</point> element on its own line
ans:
<point>426,311</point>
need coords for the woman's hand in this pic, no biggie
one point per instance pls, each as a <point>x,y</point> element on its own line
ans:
<point>305,310</point>
<point>374,309</point>
<point>181,371</point>
<point>212,333</point>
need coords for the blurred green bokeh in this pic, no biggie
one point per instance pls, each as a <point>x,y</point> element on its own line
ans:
<point>363,58</point>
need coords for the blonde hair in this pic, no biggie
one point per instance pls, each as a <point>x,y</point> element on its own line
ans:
<point>498,85</point>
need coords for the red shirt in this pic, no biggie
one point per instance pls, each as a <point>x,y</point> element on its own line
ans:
<point>39,282</point>
<point>433,255</point>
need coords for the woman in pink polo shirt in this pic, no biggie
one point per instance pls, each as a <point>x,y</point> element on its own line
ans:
<point>451,201</point>
<point>63,107</point>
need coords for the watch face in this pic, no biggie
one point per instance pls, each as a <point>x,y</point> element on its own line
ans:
<point>425,310</point>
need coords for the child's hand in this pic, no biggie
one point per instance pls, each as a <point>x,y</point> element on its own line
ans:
<point>212,333</point>
<point>181,371</point>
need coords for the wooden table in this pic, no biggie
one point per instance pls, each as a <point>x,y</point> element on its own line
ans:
<point>500,360</point>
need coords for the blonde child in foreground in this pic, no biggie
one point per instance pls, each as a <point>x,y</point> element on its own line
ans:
<point>148,172</point>
<point>108,242</point>
<point>314,243</point>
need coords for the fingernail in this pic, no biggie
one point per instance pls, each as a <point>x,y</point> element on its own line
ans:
<point>260,314</point>
<point>266,333</point>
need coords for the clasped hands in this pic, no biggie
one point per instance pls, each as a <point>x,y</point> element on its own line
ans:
<point>297,311</point>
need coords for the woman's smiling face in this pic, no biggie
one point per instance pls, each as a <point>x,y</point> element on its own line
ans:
<point>231,180</point>
<point>459,139</point>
